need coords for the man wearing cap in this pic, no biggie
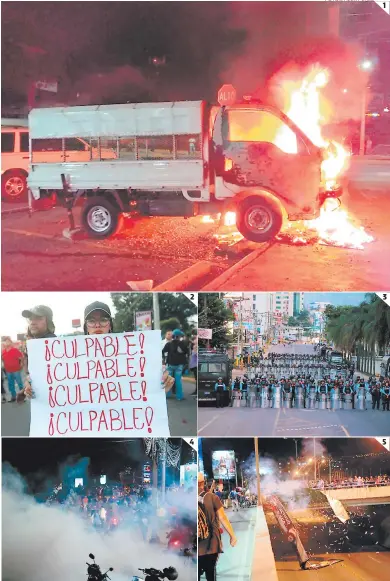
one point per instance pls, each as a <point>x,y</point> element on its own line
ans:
<point>13,361</point>
<point>40,326</point>
<point>176,352</point>
<point>209,549</point>
<point>40,322</point>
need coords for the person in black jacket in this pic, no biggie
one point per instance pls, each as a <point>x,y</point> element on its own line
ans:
<point>176,352</point>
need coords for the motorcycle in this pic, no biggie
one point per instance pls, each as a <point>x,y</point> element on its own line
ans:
<point>94,572</point>
<point>169,573</point>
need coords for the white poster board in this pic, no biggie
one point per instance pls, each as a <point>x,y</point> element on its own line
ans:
<point>98,385</point>
<point>205,333</point>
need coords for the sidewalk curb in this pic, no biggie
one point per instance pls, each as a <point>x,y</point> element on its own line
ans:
<point>221,280</point>
<point>263,563</point>
<point>185,279</point>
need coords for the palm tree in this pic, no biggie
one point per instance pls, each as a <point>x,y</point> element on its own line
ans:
<point>363,329</point>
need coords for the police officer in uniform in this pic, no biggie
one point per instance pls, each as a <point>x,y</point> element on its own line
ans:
<point>244,388</point>
<point>376,395</point>
<point>385,391</point>
<point>219,388</point>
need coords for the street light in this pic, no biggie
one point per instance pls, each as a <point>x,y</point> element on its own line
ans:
<point>366,65</point>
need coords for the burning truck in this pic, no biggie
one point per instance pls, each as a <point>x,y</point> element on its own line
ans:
<point>247,160</point>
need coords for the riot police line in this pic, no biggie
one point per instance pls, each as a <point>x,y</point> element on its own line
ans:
<point>303,382</point>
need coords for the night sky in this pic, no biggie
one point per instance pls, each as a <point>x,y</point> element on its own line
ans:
<point>99,51</point>
<point>46,456</point>
<point>283,449</point>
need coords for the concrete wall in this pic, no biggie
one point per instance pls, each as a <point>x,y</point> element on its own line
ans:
<point>263,565</point>
<point>360,493</point>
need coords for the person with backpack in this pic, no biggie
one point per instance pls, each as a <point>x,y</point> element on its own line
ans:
<point>176,352</point>
<point>211,515</point>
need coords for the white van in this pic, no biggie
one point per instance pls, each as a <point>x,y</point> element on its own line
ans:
<point>15,155</point>
<point>14,159</point>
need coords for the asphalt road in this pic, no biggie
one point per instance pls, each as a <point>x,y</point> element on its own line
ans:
<point>243,422</point>
<point>15,418</point>
<point>361,558</point>
<point>284,422</point>
<point>156,249</point>
<point>315,267</point>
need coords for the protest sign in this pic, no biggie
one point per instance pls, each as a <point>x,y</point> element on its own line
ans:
<point>98,385</point>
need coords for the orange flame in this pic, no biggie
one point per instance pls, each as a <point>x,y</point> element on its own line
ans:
<point>305,110</point>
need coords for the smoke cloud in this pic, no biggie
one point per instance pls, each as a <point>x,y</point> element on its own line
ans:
<point>277,52</point>
<point>42,542</point>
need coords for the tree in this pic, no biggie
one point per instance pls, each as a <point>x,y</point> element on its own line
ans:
<point>363,330</point>
<point>169,324</point>
<point>172,305</point>
<point>303,318</point>
<point>213,314</point>
<point>292,322</point>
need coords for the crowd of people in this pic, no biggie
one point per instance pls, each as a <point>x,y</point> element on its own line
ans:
<point>352,482</point>
<point>303,381</point>
<point>109,508</point>
<point>179,353</point>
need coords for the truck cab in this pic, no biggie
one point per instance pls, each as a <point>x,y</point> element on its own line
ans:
<point>268,168</point>
<point>211,366</point>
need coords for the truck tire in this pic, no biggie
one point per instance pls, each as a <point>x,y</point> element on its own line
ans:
<point>14,186</point>
<point>259,219</point>
<point>100,217</point>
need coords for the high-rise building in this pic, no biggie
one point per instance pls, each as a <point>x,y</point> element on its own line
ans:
<point>289,304</point>
<point>298,303</point>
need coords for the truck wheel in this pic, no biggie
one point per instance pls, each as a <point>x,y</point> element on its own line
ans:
<point>100,217</point>
<point>14,186</point>
<point>259,219</point>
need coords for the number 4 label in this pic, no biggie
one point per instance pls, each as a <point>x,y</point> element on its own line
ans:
<point>193,442</point>
<point>385,296</point>
<point>385,443</point>
<point>384,5</point>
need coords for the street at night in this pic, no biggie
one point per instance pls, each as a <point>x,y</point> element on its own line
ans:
<point>131,502</point>
<point>187,187</point>
<point>137,254</point>
<point>344,541</point>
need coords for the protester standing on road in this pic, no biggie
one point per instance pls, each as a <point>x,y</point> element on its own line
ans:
<point>234,498</point>
<point>40,326</point>
<point>3,378</point>
<point>210,515</point>
<point>13,362</point>
<point>176,352</point>
<point>194,365</point>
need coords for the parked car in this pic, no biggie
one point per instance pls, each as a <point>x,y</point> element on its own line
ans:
<point>14,159</point>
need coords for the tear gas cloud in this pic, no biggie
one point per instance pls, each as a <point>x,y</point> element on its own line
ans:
<point>42,542</point>
<point>292,492</point>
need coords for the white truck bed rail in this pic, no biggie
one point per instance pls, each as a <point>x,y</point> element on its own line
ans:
<point>142,146</point>
<point>138,120</point>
